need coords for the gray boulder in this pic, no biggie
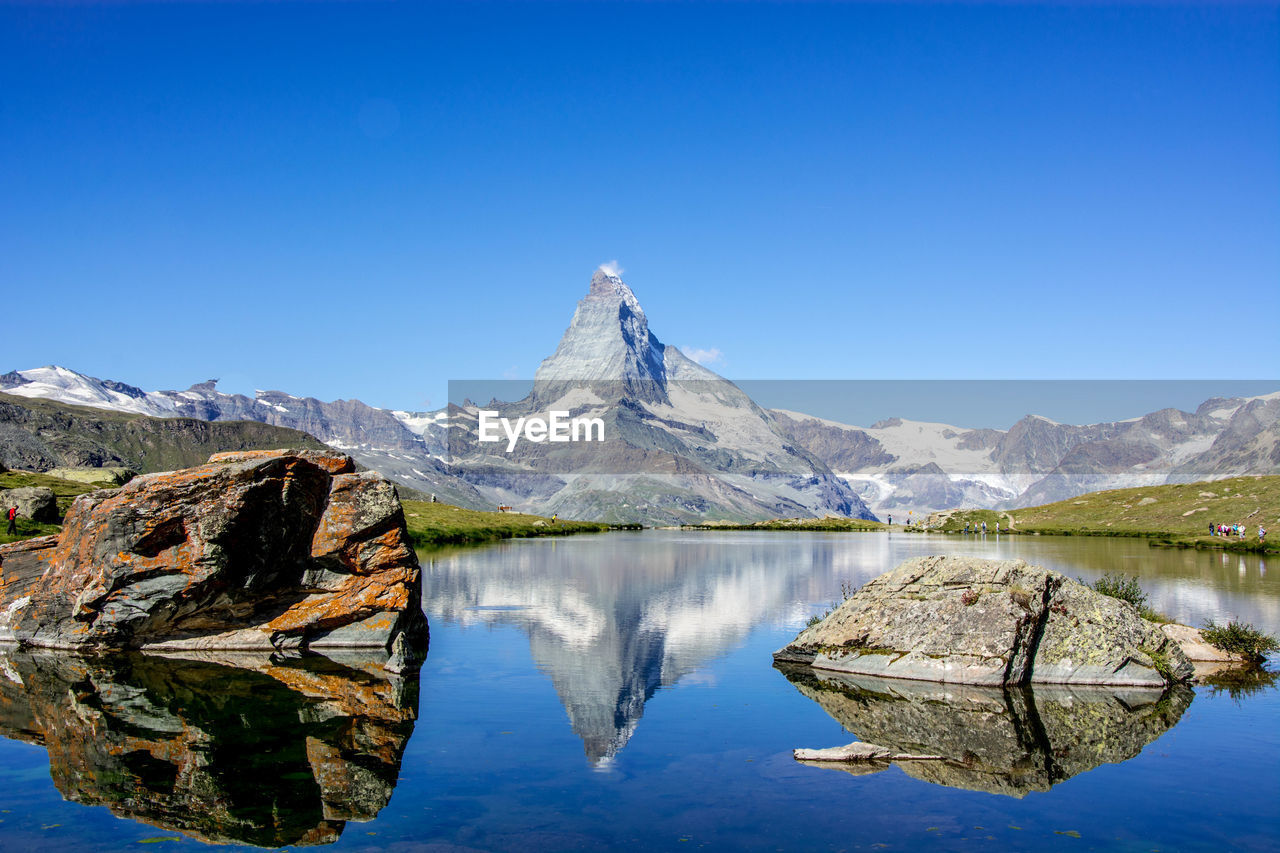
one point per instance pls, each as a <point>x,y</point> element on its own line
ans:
<point>34,503</point>
<point>109,476</point>
<point>991,622</point>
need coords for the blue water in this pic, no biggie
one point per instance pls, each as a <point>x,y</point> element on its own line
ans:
<point>617,692</point>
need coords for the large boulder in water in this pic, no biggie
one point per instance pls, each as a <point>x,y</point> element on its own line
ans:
<point>972,621</point>
<point>254,550</point>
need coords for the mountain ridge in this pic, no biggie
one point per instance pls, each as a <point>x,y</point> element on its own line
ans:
<point>687,445</point>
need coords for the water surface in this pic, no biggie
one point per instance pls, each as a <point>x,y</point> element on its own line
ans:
<point>602,692</point>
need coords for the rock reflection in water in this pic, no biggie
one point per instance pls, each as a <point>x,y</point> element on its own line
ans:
<point>1003,741</point>
<point>226,749</point>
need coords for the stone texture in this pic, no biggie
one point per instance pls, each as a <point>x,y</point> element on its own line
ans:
<point>34,503</point>
<point>264,750</point>
<point>1090,638</point>
<point>111,475</point>
<point>859,751</point>
<point>972,621</point>
<point>1009,741</point>
<point>267,549</point>
<point>1197,648</point>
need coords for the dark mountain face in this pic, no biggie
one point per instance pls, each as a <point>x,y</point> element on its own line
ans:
<point>39,435</point>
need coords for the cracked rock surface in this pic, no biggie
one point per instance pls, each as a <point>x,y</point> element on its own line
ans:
<point>966,620</point>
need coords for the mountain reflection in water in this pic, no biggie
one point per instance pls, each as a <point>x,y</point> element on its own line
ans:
<point>241,749</point>
<point>1003,741</point>
<point>613,619</point>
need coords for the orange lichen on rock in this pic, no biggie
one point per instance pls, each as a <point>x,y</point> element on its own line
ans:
<point>264,547</point>
<point>334,463</point>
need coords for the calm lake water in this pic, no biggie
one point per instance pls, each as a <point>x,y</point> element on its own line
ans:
<point>617,692</point>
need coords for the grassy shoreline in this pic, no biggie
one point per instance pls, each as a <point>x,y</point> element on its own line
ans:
<point>432,525</point>
<point>829,524</point>
<point>1168,516</point>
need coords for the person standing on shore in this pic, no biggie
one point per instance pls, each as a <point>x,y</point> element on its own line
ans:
<point>12,515</point>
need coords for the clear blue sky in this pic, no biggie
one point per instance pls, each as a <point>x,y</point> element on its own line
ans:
<point>368,200</point>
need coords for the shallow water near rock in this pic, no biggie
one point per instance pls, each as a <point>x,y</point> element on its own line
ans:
<point>602,692</point>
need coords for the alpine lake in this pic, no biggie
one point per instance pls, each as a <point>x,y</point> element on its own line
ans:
<point>617,692</point>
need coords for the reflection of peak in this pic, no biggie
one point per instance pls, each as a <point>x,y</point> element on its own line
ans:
<point>603,692</point>
<point>610,624</point>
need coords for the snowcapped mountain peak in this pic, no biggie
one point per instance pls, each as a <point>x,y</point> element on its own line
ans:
<point>53,382</point>
<point>608,340</point>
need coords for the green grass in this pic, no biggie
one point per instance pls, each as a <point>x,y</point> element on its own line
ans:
<point>26,530</point>
<point>433,524</point>
<point>1172,515</point>
<point>830,524</point>
<point>956,522</point>
<point>64,491</point>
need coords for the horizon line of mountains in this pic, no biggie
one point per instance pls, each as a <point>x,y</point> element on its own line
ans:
<point>685,444</point>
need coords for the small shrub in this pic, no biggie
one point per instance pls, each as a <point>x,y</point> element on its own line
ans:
<point>1153,615</point>
<point>969,597</point>
<point>1160,660</point>
<point>1239,638</point>
<point>1123,587</point>
<point>814,620</point>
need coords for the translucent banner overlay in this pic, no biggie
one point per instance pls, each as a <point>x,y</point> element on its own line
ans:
<point>764,428</point>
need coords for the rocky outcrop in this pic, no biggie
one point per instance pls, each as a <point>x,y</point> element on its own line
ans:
<point>37,435</point>
<point>1197,649</point>
<point>34,503</point>
<point>253,550</point>
<point>1007,741</point>
<point>109,476</point>
<point>994,622</point>
<point>265,750</point>
<point>859,751</point>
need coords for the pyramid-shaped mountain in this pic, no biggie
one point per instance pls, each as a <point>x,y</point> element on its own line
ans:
<point>679,442</point>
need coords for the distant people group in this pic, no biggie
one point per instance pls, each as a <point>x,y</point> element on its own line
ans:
<point>1237,530</point>
<point>979,529</point>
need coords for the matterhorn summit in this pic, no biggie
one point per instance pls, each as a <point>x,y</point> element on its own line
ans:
<point>681,443</point>
<point>608,341</point>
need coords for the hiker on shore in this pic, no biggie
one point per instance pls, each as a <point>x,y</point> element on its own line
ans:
<point>12,515</point>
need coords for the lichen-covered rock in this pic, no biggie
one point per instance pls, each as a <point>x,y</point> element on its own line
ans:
<point>254,550</point>
<point>1090,638</point>
<point>34,503</point>
<point>995,622</point>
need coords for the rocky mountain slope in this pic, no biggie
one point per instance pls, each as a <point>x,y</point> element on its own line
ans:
<point>680,443</point>
<point>900,465</point>
<point>38,435</point>
<point>405,446</point>
<point>683,444</point>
